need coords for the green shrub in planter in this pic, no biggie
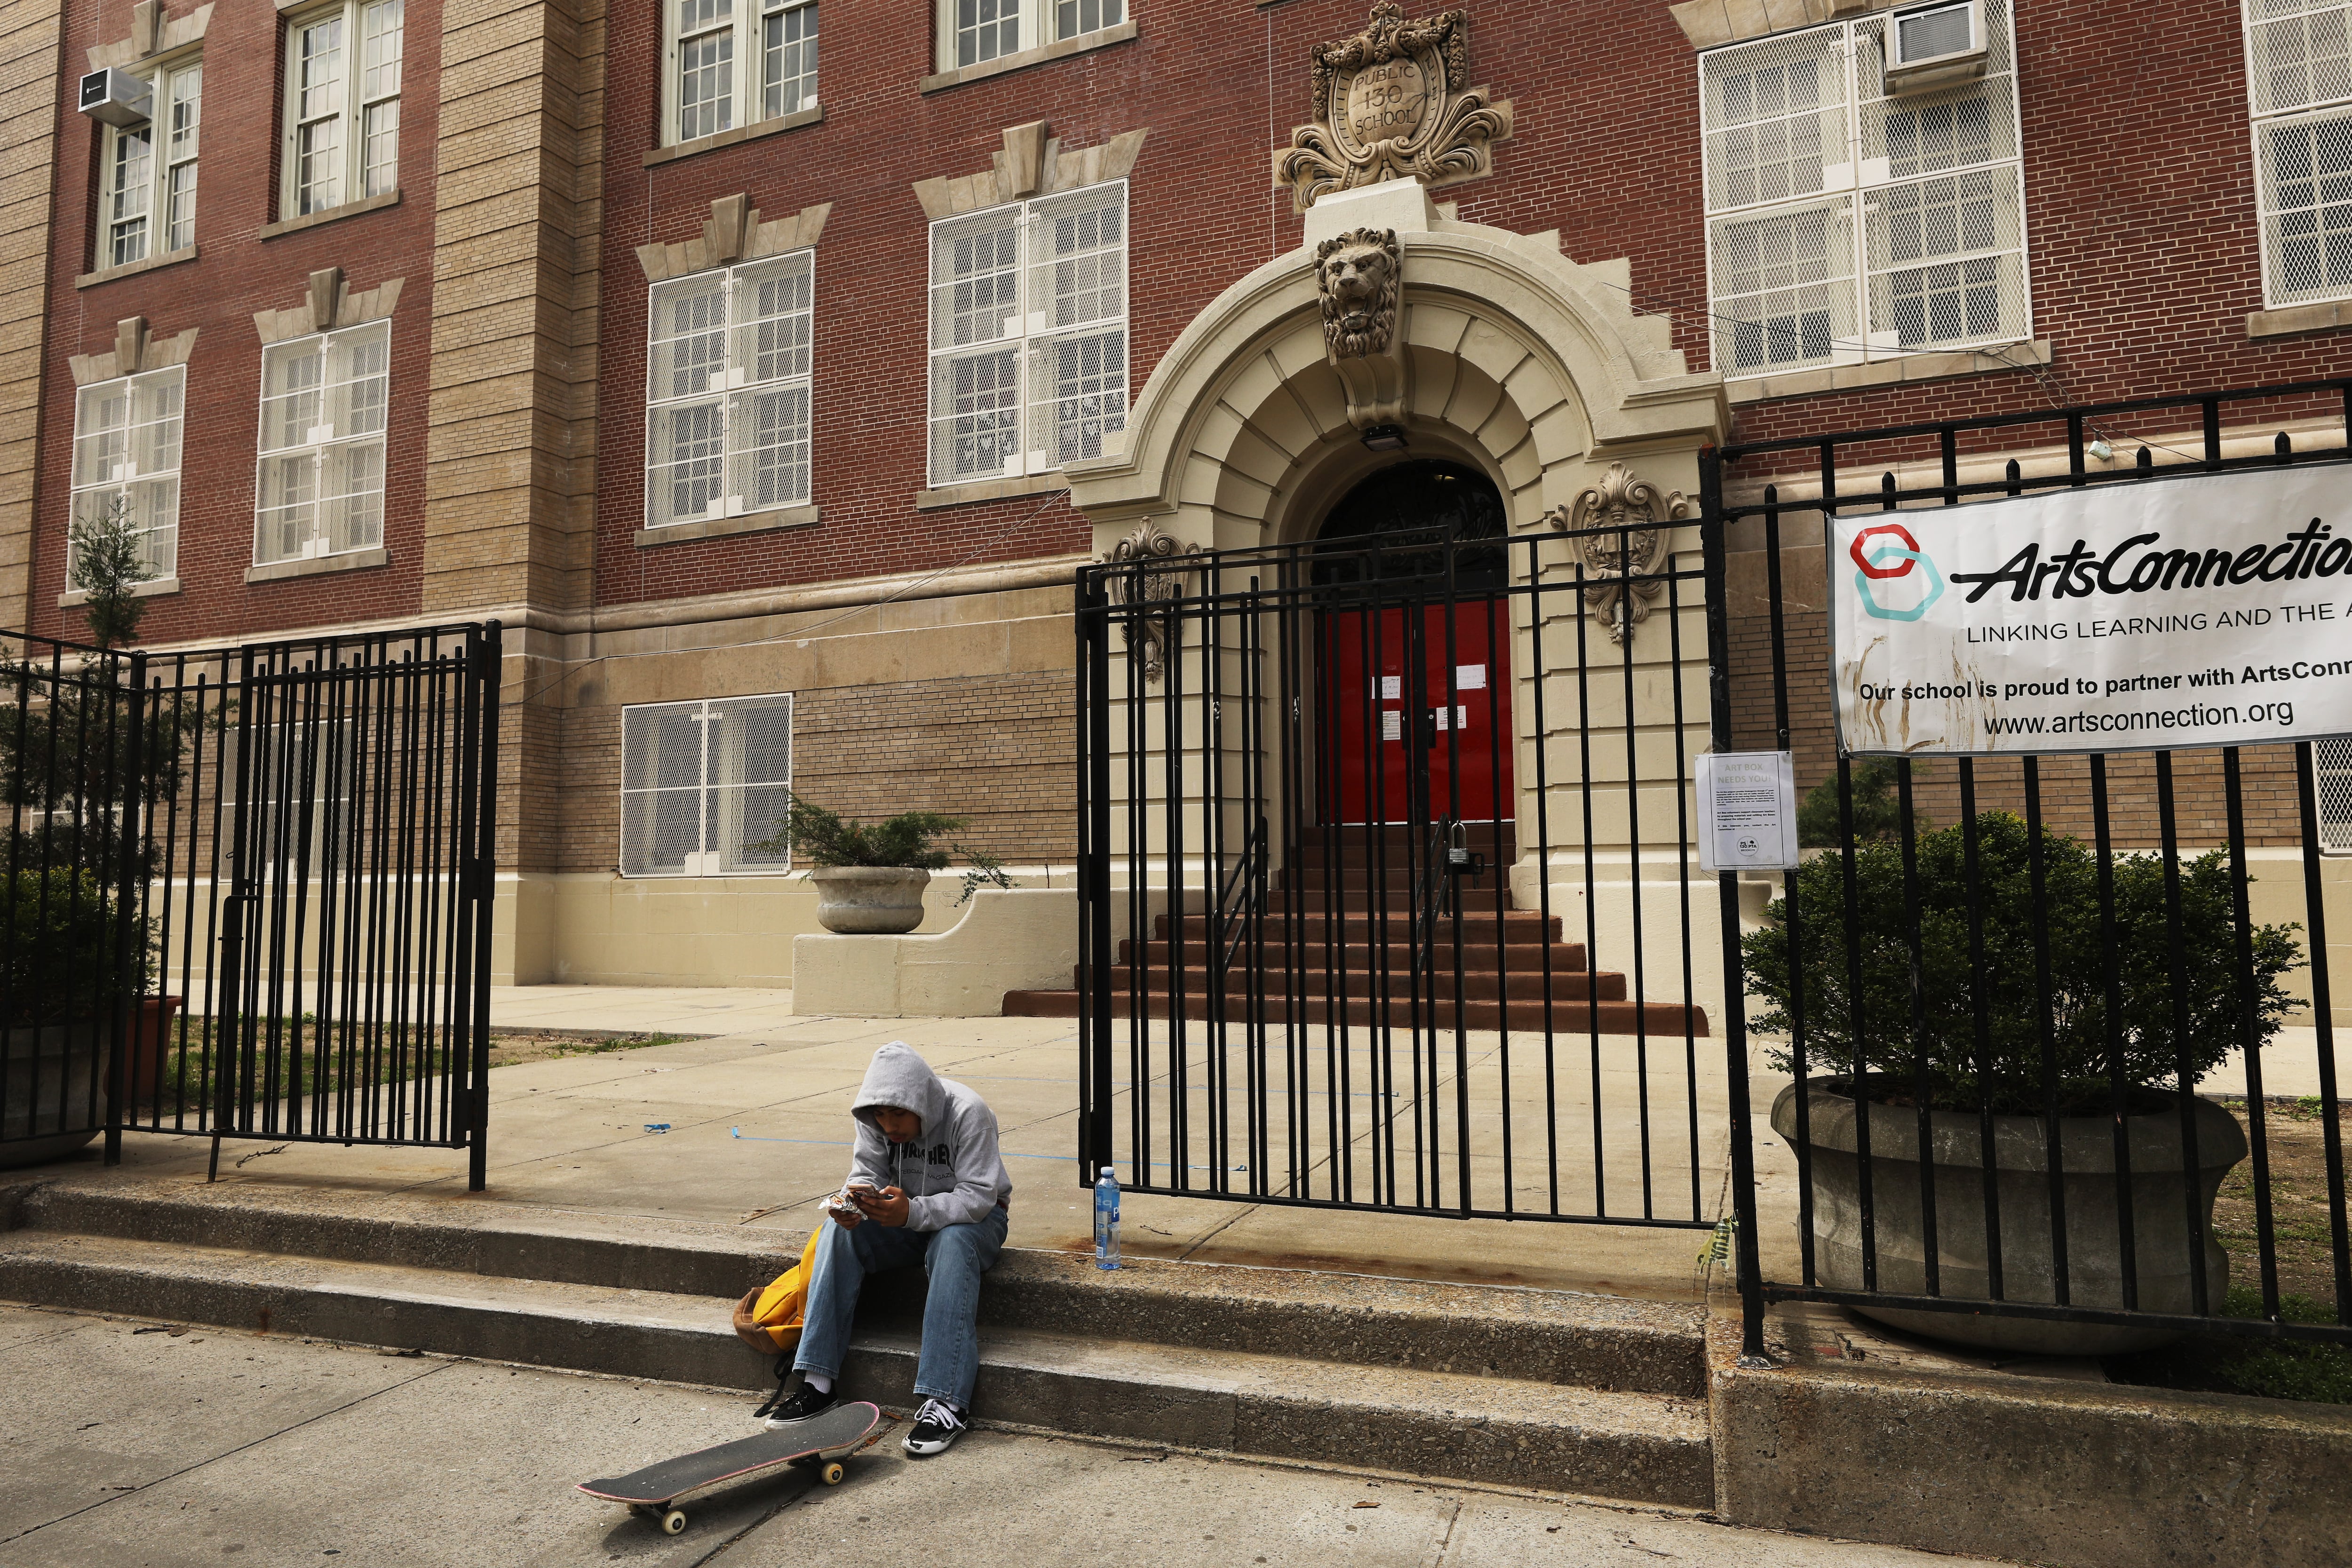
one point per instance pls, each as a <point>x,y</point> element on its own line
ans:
<point>60,962</point>
<point>825,838</point>
<point>2007,1075</point>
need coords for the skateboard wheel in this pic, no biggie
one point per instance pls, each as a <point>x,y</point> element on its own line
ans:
<point>833,1472</point>
<point>674,1521</point>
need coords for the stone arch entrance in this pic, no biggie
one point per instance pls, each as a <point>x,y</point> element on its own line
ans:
<point>1503,356</point>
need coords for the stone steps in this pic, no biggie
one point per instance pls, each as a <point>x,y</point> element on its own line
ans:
<point>1589,1394</point>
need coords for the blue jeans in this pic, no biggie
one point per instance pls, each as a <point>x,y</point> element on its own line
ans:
<point>954,1258</point>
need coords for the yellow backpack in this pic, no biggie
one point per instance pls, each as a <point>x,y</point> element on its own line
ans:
<point>769,1320</point>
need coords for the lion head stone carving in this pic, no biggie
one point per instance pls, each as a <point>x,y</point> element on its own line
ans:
<point>1357,273</point>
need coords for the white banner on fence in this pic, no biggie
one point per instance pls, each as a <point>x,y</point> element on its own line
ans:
<point>2212,611</point>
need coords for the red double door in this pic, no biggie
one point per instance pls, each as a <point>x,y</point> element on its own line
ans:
<point>1416,713</point>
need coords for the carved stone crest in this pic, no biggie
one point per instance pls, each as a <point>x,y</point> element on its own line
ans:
<point>1392,103</point>
<point>1357,274</point>
<point>1153,576</point>
<point>1617,529</point>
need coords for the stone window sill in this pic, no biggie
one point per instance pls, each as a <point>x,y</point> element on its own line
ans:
<point>990,489</point>
<point>721,527</point>
<point>133,268</point>
<point>331,214</point>
<point>813,114</point>
<point>350,561</point>
<point>1889,371</point>
<point>153,588</point>
<point>1101,38</point>
<point>2312,318</point>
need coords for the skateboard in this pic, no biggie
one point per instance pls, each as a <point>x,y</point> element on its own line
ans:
<point>655,1492</point>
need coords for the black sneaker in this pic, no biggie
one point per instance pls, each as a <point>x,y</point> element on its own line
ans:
<point>795,1400</point>
<point>937,1427</point>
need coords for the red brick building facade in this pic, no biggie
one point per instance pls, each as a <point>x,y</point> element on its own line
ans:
<point>547,182</point>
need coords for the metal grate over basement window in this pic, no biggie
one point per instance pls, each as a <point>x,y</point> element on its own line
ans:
<point>701,783</point>
<point>2299,86</point>
<point>1850,220</point>
<point>2331,761</point>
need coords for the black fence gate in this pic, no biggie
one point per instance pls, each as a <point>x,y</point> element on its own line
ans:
<point>252,890</point>
<point>2031,963</point>
<point>1327,958</point>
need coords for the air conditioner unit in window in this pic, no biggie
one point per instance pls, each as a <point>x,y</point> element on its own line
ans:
<point>1933,47</point>
<point>116,97</point>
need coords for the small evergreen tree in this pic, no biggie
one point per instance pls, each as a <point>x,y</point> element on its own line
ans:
<point>1877,806</point>
<point>109,562</point>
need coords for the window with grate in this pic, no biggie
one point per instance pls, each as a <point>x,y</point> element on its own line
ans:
<point>1846,224</point>
<point>736,62</point>
<point>726,391</point>
<point>127,435</point>
<point>2331,762</point>
<point>2299,84</point>
<point>973,32</point>
<point>702,783</point>
<point>147,205</point>
<point>1028,334</point>
<point>342,105</point>
<point>320,486</point>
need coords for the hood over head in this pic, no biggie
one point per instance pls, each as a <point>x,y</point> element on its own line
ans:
<point>900,1078</point>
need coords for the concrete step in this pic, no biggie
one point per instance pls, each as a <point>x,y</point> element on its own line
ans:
<point>1658,1020</point>
<point>1395,956</point>
<point>1315,982</point>
<point>1650,1448</point>
<point>1513,927</point>
<point>1601,1341</point>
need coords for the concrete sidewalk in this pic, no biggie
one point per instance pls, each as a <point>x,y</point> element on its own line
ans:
<point>758,1131</point>
<point>144,1449</point>
<point>748,1124</point>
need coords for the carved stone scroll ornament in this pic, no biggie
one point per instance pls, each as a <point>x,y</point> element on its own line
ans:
<point>1631,516</point>
<point>1153,577</point>
<point>1360,275</point>
<point>1391,104</point>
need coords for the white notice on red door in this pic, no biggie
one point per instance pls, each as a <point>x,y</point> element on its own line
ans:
<point>1748,811</point>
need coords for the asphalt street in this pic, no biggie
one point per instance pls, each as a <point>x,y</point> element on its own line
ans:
<point>134,1445</point>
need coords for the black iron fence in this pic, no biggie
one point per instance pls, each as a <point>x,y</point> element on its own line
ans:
<point>1385,903</point>
<point>294,843</point>
<point>1999,989</point>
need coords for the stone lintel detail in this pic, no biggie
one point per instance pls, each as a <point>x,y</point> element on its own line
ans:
<point>329,303</point>
<point>734,232</point>
<point>1709,23</point>
<point>1033,162</point>
<point>152,34</point>
<point>135,350</point>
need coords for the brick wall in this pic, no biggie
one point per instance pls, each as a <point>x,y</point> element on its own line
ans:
<point>997,749</point>
<point>1219,87</point>
<point>236,273</point>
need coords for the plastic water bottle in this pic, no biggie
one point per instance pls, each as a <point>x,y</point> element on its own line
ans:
<point>1106,1219</point>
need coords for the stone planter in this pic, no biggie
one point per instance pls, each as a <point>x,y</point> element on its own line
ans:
<point>2021,1183</point>
<point>869,900</point>
<point>57,1091</point>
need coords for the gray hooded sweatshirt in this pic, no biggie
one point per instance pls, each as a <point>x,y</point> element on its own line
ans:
<point>952,1172</point>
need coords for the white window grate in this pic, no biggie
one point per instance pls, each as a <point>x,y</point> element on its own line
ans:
<point>342,105</point>
<point>148,206</point>
<point>127,441</point>
<point>732,62</point>
<point>2331,761</point>
<point>1028,335</point>
<point>318,488</point>
<point>703,782</point>
<point>727,391</point>
<point>2299,84</point>
<point>1846,225</point>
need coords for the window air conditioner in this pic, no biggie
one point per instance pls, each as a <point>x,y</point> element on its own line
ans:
<point>1932,47</point>
<point>116,97</point>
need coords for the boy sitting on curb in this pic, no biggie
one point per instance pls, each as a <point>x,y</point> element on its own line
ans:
<point>926,1186</point>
